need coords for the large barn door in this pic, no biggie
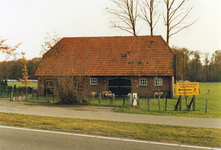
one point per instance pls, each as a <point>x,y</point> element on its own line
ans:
<point>120,85</point>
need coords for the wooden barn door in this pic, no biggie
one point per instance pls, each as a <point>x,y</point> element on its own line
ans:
<point>120,85</point>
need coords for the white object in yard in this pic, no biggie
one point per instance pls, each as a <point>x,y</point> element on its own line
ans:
<point>11,99</point>
<point>133,96</point>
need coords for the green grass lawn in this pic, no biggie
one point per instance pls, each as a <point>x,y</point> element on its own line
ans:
<point>213,110</point>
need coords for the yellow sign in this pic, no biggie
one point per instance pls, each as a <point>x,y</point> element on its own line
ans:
<point>187,88</point>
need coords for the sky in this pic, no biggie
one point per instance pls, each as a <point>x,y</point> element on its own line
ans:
<point>28,21</point>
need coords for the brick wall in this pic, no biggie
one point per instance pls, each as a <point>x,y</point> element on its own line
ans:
<point>102,86</point>
<point>143,90</point>
<point>168,85</point>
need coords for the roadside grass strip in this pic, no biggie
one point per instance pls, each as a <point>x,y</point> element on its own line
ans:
<point>116,130</point>
<point>110,138</point>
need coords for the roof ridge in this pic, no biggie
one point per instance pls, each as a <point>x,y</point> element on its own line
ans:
<point>112,36</point>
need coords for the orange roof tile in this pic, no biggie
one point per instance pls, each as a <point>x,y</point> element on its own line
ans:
<point>102,56</point>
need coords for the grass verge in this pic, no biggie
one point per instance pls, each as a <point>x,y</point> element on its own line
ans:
<point>161,133</point>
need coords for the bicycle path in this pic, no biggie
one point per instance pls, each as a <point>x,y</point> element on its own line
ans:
<point>105,113</point>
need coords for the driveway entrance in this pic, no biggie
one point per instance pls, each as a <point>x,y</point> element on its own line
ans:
<point>120,85</point>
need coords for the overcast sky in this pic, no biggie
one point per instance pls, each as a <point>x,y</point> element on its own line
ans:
<point>28,21</point>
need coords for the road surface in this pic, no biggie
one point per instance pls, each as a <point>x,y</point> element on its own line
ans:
<point>19,139</point>
<point>105,113</point>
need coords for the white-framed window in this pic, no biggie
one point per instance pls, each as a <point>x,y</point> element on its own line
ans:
<point>158,82</point>
<point>143,81</point>
<point>93,81</point>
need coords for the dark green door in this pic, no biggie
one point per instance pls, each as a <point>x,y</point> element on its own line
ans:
<point>120,85</point>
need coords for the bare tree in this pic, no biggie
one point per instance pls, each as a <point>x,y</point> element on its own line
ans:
<point>126,13</point>
<point>177,12</point>
<point>64,83</point>
<point>50,41</point>
<point>8,51</point>
<point>148,10</point>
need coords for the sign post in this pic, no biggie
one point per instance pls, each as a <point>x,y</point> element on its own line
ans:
<point>188,88</point>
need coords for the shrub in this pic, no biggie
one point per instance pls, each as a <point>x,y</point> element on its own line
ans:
<point>71,90</point>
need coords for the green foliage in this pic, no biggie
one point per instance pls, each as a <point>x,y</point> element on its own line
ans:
<point>9,88</point>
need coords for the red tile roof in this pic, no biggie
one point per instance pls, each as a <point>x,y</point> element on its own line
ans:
<point>102,56</point>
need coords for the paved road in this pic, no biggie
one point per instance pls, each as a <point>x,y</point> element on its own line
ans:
<point>16,139</point>
<point>106,113</point>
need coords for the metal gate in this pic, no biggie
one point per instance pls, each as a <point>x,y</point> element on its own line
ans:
<point>120,85</point>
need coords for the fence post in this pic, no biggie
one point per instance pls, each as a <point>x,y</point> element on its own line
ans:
<point>166,104</point>
<point>17,95</point>
<point>37,95</point>
<point>206,106</point>
<point>112,99</point>
<point>99,98</point>
<point>186,97</point>
<point>180,103</point>
<point>138,101</point>
<point>158,100</point>
<point>193,102</point>
<point>53,97</point>
<point>208,91</point>
<point>133,101</point>
<point>148,103</point>
<point>124,100</point>
<point>7,92</point>
<point>26,88</point>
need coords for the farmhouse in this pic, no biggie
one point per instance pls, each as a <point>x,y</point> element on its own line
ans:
<point>121,64</point>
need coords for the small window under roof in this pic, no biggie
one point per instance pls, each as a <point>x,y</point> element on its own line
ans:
<point>123,54</point>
